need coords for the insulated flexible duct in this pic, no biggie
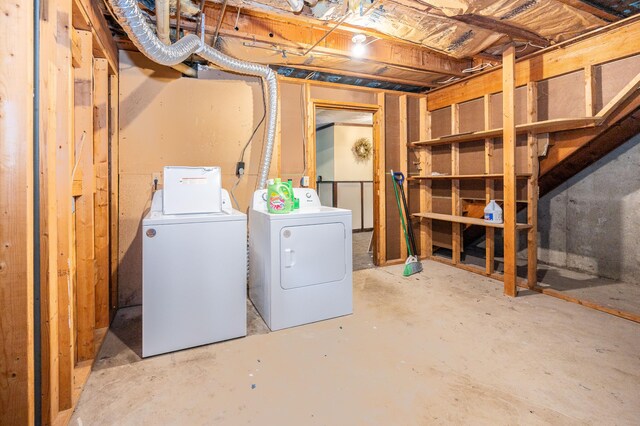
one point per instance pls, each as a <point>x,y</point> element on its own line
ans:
<point>134,24</point>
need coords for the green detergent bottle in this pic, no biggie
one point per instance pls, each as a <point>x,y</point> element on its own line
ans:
<point>279,197</point>
<point>295,202</point>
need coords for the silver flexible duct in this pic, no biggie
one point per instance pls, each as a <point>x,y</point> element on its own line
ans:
<point>135,25</point>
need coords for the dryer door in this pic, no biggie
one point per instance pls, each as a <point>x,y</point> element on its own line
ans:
<point>312,254</point>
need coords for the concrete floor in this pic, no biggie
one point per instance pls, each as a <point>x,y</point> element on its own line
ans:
<point>612,294</point>
<point>441,347</point>
<point>362,257</point>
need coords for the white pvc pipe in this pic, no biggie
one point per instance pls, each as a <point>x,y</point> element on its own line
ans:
<point>162,21</point>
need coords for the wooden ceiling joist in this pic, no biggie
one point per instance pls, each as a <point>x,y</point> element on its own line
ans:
<point>300,35</point>
<point>410,82</point>
<point>515,33</point>
<point>581,5</point>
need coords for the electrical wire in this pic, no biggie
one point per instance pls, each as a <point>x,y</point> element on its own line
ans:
<point>478,67</point>
<point>246,145</point>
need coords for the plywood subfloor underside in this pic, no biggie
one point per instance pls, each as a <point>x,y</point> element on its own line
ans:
<point>441,347</point>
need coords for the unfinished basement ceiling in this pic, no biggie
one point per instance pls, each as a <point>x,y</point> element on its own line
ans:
<point>411,44</point>
<point>459,28</point>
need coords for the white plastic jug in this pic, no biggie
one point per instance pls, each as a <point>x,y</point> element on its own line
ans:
<point>493,212</point>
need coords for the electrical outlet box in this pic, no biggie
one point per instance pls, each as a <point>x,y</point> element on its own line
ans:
<point>305,181</point>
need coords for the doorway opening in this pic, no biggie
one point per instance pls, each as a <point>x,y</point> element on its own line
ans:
<point>344,172</point>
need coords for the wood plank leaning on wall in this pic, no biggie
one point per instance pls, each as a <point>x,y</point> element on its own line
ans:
<point>16,203</point>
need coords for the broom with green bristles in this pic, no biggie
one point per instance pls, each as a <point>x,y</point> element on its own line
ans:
<point>412,265</point>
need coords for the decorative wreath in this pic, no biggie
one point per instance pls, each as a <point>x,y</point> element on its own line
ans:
<point>362,149</point>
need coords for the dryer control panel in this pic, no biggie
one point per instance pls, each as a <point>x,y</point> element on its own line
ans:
<point>308,199</point>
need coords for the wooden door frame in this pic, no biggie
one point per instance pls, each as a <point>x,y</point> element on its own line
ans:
<point>377,110</point>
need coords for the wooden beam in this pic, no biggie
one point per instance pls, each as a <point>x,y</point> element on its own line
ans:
<point>402,127</point>
<point>48,214</point>
<point>64,166</point>
<point>299,36</point>
<point>310,121</point>
<point>532,187</point>
<point>488,187</point>
<point>498,26</point>
<point>380,180</point>
<point>466,220</point>
<point>76,52</point>
<point>101,199</point>
<point>589,90</point>
<point>83,137</point>
<point>303,32</point>
<point>576,150</point>
<point>426,235</point>
<point>585,7</point>
<point>456,206</point>
<point>16,205</point>
<point>620,98</point>
<point>88,17</point>
<point>509,169</point>
<point>114,183</point>
<point>614,42</point>
<point>414,82</point>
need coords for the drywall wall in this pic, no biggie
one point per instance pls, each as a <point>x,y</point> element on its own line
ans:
<point>335,159</point>
<point>325,153</point>
<point>591,222</point>
<point>347,165</point>
<point>163,122</point>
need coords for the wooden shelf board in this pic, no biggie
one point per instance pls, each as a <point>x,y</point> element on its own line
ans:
<point>547,126</point>
<point>467,220</point>
<point>477,176</point>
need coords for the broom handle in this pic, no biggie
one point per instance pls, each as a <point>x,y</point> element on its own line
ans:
<point>409,227</point>
<point>404,227</point>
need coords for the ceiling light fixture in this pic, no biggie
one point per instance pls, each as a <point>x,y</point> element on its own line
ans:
<point>358,48</point>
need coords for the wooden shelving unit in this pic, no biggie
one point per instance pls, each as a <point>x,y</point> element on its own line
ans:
<point>466,220</point>
<point>477,176</point>
<point>537,127</point>
<point>509,178</point>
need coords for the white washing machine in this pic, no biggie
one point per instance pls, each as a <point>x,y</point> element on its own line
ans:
<point>300,264</point>
<point>194,278</point>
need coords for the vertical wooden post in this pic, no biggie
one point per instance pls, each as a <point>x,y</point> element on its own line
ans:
<point>310,115</point>
<point>380,217</point>
<point>589,90</point>
<point>402,113</point>
<point>101,199</point>
<point>426,235</point>
<point>532,187</point>
<point>83,137</point>
<point>64,166</point>
<point>114,173</point>
<point>488,187</point>
<point>509,169</point>
<point>16,205</point>
<point>48,214</point>
<point>456,207</point>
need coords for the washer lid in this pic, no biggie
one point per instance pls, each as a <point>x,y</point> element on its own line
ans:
<point>158,218</point>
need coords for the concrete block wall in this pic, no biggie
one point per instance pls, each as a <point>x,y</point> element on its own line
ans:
<point>591,223</point>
